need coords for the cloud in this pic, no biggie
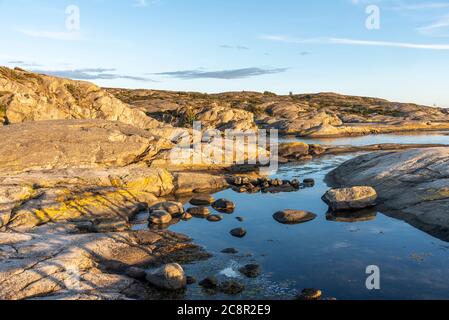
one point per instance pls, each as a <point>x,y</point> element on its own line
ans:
<point>24,64</point>
<point>346,41</point>
<point>65,36</point>
<point>91,74</point>
<point>437,28</point>
<point>222,74</point>
<point>225,46</point>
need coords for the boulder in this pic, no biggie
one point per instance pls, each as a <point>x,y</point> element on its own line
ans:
<point>174,208</point>
<point>251,270</point>
<point>293,216</point>
<point>169,277</point>
<point>199,212</point>
<point>238,232</point>
<point>350,198</point>
<point>202,200</point>
<point>160,217</point>
<point>412,185</point>
<point>223,205</point>
<point>231,287</point>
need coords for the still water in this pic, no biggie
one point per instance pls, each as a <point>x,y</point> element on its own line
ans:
<point>324,253</point>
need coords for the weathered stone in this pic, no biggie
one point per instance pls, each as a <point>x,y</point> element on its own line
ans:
<point>412,185</point>
<point>174,208</point>
<point>169,277</point>
<point>310,294</point>
<point>202,200</point>
<point>350,198</point>
<point>160,217</point>
<point>238,232</point>
<point>199,212</point>
<point>136,273</point>
<point>293,216</point>
<point>223,205</point>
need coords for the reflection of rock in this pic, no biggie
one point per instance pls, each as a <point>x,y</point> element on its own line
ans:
<point>352,216</point>
<point>170,277</point>
<point>350,198</point>
<point>412,185</point>
<point>293,216</point>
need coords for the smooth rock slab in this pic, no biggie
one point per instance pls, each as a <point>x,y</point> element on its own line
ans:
<point>293,216</point>
<point>350,198</point>
<point>169,277</point>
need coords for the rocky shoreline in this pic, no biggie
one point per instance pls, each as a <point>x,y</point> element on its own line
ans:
<point>78,163</point>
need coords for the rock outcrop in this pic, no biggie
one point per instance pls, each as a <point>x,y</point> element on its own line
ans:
<point>354,198</point>
<point>412,185</point>
<point>27,96</point>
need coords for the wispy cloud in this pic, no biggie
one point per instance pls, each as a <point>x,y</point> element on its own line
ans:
<point>437,28</point>
<point>91,74</point>
<point>222,74</point>
<point>226,46</point>
<point>65,36</point>
<point>347,41</point>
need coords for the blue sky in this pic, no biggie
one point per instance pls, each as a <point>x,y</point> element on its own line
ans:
<point>233,45</point>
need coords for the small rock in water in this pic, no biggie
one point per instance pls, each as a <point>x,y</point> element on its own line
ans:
<point>309,183</point>
<point>199,212</point>
<point>186,216</point>
<point>202,200</point>
<point>160,217</point>
<point>230,251</point>
<point>209,283</point>
<point>240,219</point>
<point>310,294</point>
<point>174,208</point>
<point>223,205</point>
<point>295,183</point>
<point>251,270</point>
<point>190,280</point>
<point>293,216</point>
<point>232,287</point>
<point>169,277</point>
<point>238,232</point>
<point>214,218</point>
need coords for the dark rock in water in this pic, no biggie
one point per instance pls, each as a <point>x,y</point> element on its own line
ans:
<point>230,251</point>
<point>136,273</point>
<point>231,287</point>
<point>209,283</point>
<point>223,205</point>
<point>202,200</point>
<point>310,294</point>
<point>295,183</point>
<point>240,189</point>
<point>214,218</point>
<point>277,183</point>
<point>293,216</point>
<point>309,183</point>
<point>240,219</point>
<point>199,212</point>
<point>251,270</point>
<point>190,280</point>
<point>238,232</point>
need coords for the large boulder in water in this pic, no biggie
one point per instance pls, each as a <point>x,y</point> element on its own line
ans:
<point>350,198</point>
<point>412,185</point>
<point>169,277</point>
